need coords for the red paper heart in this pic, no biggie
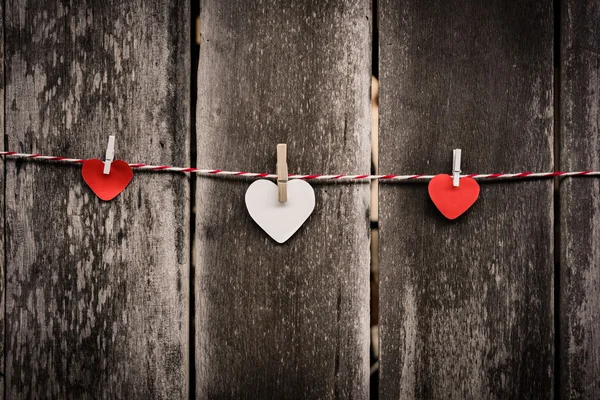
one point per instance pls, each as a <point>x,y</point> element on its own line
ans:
<point>453,201</point>
<point>106,187</point>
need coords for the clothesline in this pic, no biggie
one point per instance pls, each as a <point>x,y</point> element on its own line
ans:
<point>312,177</point>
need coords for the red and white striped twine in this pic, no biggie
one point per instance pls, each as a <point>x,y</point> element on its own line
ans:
<point>314,177</point>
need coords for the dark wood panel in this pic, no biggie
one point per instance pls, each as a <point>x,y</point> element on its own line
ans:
<point>2,201</point>
<point>97,292</point>
<point>292,320</point>
<point>579,213</point>
<point>466,306</point>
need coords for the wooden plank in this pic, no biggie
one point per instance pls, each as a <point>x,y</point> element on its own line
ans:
<point>579,349</point>
<point>466,306</point>
<point>292,320</point>
<point>96,292</point>
<point>2,187</point>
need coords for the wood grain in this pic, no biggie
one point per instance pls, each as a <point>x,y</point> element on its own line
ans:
<point>96,292</point>
<point>466,306</point>
<point>2,188</point>
<point>579,349</point>
<point>283,321</point>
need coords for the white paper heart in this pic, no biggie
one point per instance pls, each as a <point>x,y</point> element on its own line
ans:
<point>280,220</point>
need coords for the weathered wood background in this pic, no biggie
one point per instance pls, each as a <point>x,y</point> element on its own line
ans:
<point>141,297</point>
<point>466,306</point>
<point>2,187</point>
<point>283,321</point>
<point>96,292</point>
<point>579,322</point>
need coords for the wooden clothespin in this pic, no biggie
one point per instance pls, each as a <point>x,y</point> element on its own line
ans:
<point>282,172</point>
<point>110,154</point>
<point>455,167</point>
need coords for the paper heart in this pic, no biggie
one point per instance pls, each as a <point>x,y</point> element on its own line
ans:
<point>280,220</point>
<point>106,187</point>
<point>450,200</point>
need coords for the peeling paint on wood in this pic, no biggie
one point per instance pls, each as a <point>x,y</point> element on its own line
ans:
<point>283,321</point>
<point>579,349</point>
<point>466,306</point>
<point>96,293</point>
